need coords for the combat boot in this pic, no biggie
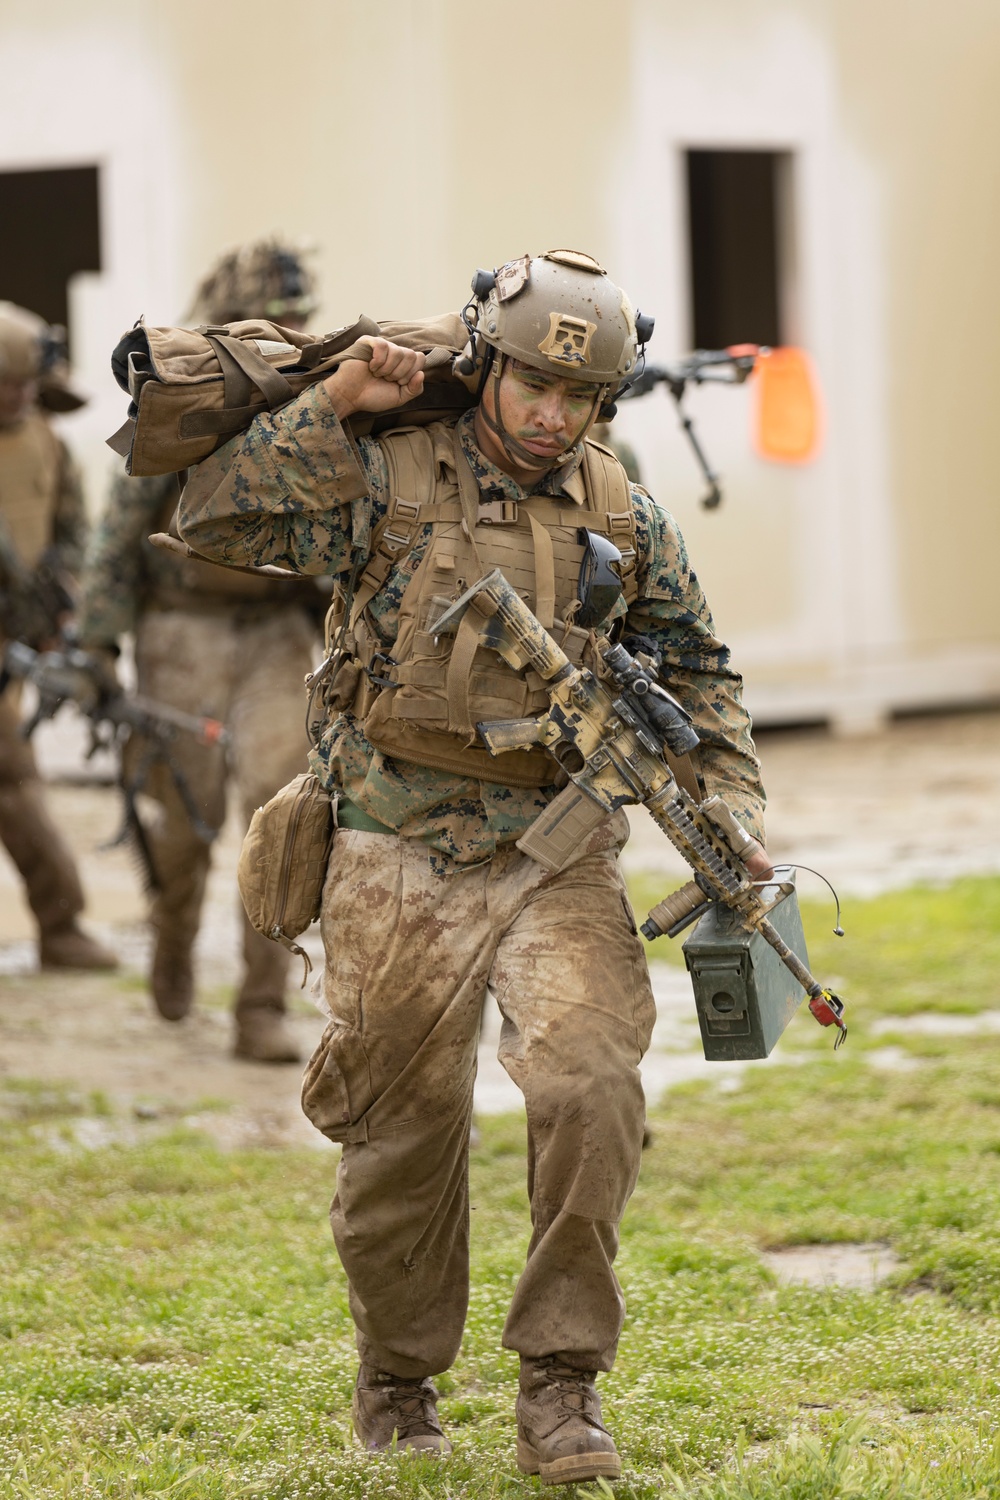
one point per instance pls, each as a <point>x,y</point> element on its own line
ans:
<point>68,947</point>
<point>263,1035</point>
<point>389,1412</point>
<point>560,1435</point>
<point>171,979</point>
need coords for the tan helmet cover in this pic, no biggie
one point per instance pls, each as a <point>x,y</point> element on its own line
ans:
<point>31,349</point>
<point>562,313</point>
<point>22,336</point>
<point>266,278</point>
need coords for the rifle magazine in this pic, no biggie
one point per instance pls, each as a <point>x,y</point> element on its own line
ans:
<point>558,833</point>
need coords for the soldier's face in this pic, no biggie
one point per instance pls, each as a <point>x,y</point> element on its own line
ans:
<point>547,414</point>
<point>16,398</point>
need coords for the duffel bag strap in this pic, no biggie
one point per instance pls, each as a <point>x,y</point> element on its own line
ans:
<point>243,368</point>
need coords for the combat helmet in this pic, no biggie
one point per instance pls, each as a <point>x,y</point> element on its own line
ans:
<point>267,278</point>
<point>559,312</point>
<point>31,349</point>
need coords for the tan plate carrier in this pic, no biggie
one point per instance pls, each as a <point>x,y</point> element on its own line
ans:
<point>421,698</point>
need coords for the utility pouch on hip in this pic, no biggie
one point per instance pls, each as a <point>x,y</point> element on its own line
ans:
<point>283,862</point>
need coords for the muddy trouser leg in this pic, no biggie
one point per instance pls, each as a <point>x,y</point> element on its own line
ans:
<point>182,660</point>
<point>32,840</point>
<point>407,956</point>
<point>571,979</point>
<point>267,722</point>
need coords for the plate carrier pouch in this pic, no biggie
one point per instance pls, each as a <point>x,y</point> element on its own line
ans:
<point>283,862</point>
<point>420,699</point>
<point>193,389</point>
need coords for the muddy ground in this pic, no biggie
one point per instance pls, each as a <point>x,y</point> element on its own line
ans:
<point>920,801</point>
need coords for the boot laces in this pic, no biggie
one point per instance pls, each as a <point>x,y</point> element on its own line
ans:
<point>413,1407</point>
<point>573,1396</point>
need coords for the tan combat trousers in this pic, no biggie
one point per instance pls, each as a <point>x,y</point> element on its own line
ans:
<point>244,665</point>
<point>32,840</point>
<point>409,955</point>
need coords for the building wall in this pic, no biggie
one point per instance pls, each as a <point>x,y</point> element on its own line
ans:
<point>415,139</point>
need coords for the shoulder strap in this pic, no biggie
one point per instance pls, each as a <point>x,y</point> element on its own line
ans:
<point>609,492</point>
<point>412,475</point>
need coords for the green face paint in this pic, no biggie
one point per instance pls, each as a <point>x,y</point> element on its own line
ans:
<point>545,413</point>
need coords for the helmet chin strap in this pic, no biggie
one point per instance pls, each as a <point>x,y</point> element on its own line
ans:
<point>513,449</point>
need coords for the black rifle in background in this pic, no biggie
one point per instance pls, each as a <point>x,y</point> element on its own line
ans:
<point>703,367</point>
<point>69,675</point>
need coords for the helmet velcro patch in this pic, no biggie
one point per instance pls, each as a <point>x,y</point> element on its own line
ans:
<point>568,340</point>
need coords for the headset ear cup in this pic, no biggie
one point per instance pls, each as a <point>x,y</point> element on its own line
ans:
<point>608,411</point>
<point>483,283</point>
<point>465,365</point>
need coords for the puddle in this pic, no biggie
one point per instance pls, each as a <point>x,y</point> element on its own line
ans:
<point>860,1267</point>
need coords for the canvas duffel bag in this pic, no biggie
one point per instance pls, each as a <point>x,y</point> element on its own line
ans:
<point>192,389</point>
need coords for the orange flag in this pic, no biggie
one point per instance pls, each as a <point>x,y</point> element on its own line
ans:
<point>788,416</point>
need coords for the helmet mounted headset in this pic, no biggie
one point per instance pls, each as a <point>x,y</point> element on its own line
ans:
<point>559,313</point>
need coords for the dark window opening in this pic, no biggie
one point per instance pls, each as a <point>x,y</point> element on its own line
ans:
<point>51,230</point>
<point>735,249</point>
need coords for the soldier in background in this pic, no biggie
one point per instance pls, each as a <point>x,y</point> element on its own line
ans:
<point>210,641</point>
<point>43,526</point>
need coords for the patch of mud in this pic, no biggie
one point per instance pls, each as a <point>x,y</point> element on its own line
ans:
<point>937,1023</point>
<point>860,1267</point>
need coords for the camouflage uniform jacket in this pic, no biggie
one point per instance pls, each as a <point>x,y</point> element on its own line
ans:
<point>121,566</point>
<point>124,575</point>
<point>290,491</point>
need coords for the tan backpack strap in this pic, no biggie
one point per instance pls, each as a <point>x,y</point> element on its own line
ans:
<point>458,683</point>
<point>545,574</point>
<point>609,491</point>
<point>469,494</point>
<point>411,484</point>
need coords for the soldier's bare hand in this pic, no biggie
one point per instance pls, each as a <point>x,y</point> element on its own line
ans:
<point>391,377</point>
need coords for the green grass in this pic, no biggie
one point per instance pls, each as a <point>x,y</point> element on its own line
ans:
<point>173,1320</point>
<point>924,949</point>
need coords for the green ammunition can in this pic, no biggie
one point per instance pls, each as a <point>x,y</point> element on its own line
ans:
<point>745,996</point>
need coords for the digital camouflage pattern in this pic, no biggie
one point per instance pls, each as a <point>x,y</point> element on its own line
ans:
<point>266,278</point>
<point>125,576</point>
<point>121,565</point>
<point>298,491</point>
<point>409,956</point>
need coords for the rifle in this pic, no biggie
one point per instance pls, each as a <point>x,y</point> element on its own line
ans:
<point>612,742</point>
<point>74,676</point>
<point>703,367</point>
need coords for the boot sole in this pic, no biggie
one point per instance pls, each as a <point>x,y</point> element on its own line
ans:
<point>440,1449</point>
<point>573,1469</point>
<point>247,1054</point>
